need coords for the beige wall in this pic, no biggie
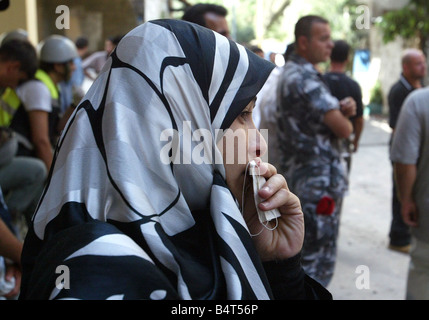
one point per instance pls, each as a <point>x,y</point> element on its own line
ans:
<point>95,19</point>
<point>21,14</point>
<point>14,17</point>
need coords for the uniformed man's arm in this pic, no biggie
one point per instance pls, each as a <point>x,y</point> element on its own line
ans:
<point>335,113</point>
<point>338,123</point>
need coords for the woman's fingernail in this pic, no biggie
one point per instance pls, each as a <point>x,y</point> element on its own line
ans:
<point>266,189</point>
<point>265,204</point>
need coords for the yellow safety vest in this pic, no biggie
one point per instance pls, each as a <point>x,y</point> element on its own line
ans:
<point>20,122</point>
<point>9,103</point>
<point>46,79</point>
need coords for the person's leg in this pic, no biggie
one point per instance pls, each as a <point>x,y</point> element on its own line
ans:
<point>320,244</point>
<point>22,182</point>
<point>399,234</point>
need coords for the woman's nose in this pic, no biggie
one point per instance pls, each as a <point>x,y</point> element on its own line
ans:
<point>257,144</point>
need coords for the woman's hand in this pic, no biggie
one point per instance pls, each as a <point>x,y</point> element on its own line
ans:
<point>287,238</point>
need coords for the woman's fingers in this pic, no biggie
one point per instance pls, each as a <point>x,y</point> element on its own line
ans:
<point>264,168</point>
<point>278,199</point>
<point>275,192</point>
<point>271,186</point>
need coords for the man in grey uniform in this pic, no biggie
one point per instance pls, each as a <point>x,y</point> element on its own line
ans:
<point>311,123</point>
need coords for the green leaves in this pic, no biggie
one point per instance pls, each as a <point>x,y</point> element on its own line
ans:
<point>409,22</point>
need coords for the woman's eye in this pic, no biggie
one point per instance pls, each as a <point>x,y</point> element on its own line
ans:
<point>246,114</point>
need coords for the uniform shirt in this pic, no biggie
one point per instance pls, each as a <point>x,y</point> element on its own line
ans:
<point>411,146</point>
<point>310,153</point>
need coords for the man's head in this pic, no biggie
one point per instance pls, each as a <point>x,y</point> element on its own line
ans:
<point>340,52</point>
<point>17,34</point>
<point>111,43</point>
<point>18,62</point>
<point>82,44</point>
<point>56,57</point>
<point>211,16</point>
<point>313,39</point>
<point>414,64</point>
<point>258,51</point>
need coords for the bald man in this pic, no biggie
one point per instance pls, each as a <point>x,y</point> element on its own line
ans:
<point>413,72</point>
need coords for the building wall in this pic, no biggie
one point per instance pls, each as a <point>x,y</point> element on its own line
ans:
<point>20,15</point>
<point>96,19</point>
<point>13,17</point>
<point>386,57</point>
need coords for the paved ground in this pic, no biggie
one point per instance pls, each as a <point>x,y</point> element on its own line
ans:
<point>365,224</point>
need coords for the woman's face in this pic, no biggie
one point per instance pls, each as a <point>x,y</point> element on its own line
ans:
<point>241,144</point>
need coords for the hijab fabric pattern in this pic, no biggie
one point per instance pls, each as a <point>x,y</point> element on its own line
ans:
<point>123,224</point>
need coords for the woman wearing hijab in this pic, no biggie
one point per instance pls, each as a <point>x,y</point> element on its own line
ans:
<point>130,211</point>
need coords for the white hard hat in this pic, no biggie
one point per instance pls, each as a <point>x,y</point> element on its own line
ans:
<point>57,49</point>
<point>18,34</point>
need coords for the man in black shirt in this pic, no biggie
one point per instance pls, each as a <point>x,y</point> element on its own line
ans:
<point>342,86</point>
<point>413,72</point>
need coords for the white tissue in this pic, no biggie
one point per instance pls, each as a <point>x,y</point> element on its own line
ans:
<point>258,182</point>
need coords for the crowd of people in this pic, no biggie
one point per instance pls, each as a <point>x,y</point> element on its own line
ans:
<point>39,91</point>
<point>189,230</point>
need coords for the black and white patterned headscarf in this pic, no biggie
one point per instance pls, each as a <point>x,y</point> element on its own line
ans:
<point>123,224</point>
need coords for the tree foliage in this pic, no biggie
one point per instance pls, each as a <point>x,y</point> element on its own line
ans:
<point>245,15</point>
<point>275,13</point>
<point>408,22</point>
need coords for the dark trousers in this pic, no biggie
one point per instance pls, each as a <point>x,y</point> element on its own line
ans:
<point>399,231</point>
